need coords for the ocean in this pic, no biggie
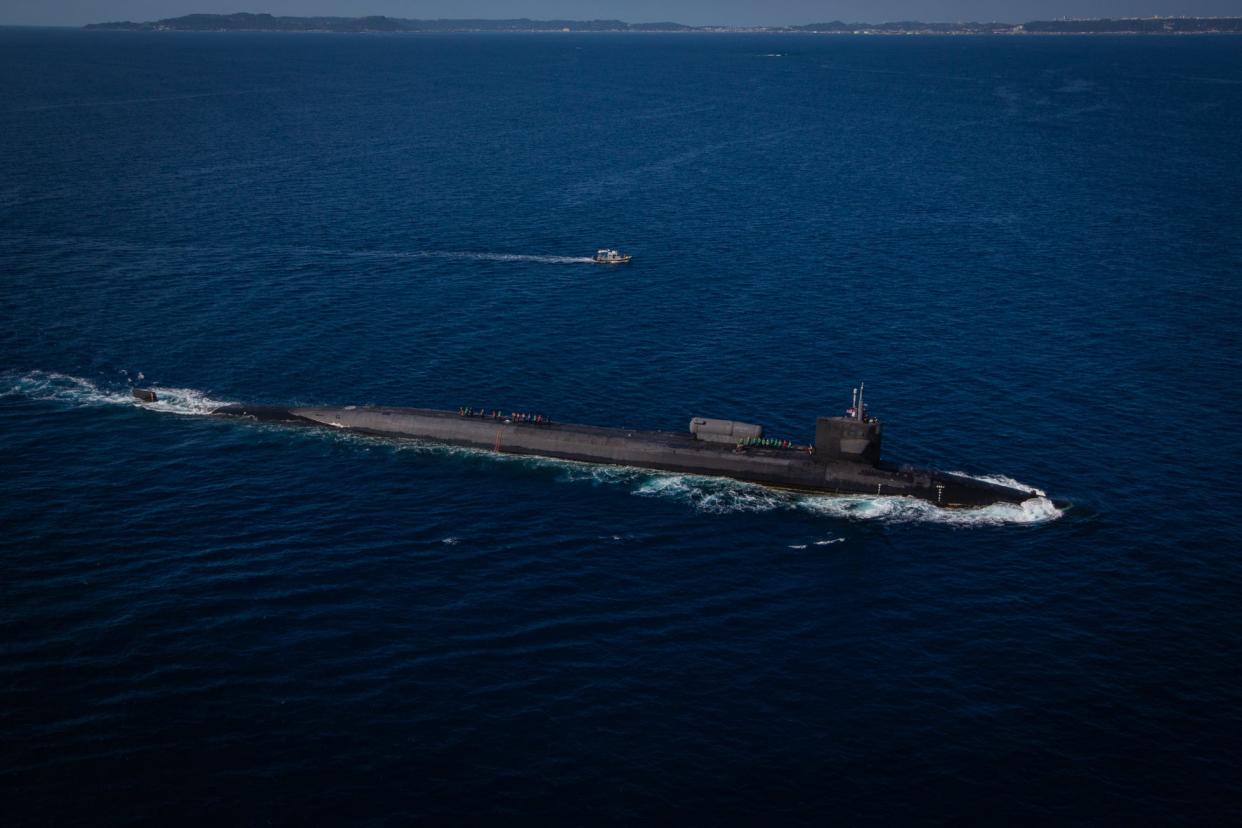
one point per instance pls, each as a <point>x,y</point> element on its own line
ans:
<point>1028,249</point>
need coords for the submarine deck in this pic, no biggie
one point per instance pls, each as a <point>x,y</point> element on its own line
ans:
<point>668,439</point>
<point>791,468</point>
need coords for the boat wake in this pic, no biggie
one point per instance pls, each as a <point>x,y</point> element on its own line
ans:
<point>709,495</point>
<point>12,196</point>
<point>912,510</point>
<point>471,256</point>
<point>80,392</point>
<point>520,257</point>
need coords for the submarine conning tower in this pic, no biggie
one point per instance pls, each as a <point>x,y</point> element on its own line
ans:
<point>856,437</point>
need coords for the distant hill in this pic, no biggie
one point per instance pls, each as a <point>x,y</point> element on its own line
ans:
<point>907,27</point>
<point>1145,25</point>
<point>1152,25</point>
<point>247,22</point>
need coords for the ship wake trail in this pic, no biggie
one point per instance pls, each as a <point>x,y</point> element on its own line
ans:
<point>465,255</point>
<point>521,257</point>
<point>13,196</point>
<point>80,392</point>
<point>912,510</point>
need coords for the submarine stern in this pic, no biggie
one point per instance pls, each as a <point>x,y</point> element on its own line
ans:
<point>262,413</point>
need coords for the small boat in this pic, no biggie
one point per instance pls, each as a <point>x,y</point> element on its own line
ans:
<point>606,256</point>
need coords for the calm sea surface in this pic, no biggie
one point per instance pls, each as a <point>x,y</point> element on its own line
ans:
<point>1029,249</point>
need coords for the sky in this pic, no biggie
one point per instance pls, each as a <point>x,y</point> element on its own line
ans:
<point>693,12</point>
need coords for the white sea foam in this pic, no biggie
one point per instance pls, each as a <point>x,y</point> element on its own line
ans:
<point>913,510</point>
<point>713,495</point>
<point>828,542</point>
<point>62,388</point>
<point>181,401</point>
<point>475,256</point>
<point>81,392</point>
<point>589,473</point>
<point>521,257</point>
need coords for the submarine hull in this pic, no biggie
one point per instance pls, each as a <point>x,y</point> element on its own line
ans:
<point>797,469</point>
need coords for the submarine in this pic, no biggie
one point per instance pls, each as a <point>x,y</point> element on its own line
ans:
<point>843,460</point>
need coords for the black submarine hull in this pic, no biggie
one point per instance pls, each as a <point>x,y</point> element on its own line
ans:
<point>787,468</point>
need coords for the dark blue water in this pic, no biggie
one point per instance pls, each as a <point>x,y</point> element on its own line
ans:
<point>1030,249</point>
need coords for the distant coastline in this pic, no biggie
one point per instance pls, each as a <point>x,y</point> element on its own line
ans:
<point>249,22</point>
